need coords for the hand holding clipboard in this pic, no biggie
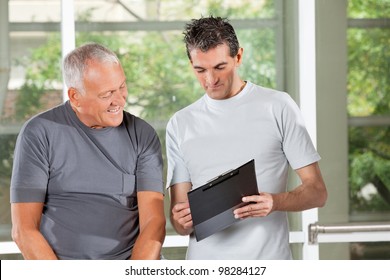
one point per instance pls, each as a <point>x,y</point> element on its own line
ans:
<point>212,204</point>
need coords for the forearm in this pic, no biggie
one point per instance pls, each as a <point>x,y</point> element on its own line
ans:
<point>299,199</point>
<point>34,246</point>
<point>180,214</point>
<point>149,242</point>
<point>311,193</point>
<point>26,218</point>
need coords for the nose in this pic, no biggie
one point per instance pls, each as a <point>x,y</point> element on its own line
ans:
<point>119,98</point>
<point>211,78</point>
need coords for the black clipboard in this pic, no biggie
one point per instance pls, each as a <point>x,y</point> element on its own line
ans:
<point>212,204</point>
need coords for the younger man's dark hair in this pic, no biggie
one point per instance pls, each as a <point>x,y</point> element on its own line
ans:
<point>208,32</point>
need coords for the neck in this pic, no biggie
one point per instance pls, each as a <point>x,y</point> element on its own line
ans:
<point>78,115</point>
<point>243,83</point>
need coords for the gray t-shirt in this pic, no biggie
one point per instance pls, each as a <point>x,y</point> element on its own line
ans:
<point>88,180</point>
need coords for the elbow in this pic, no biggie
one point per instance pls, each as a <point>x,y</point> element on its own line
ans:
<point>322,198</point>
<point>163,230</point>
<point>16,235</point>
<point>322,203</point>
<point>158,228</point>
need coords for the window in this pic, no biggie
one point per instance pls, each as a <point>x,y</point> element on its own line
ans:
<point>369,117</point>
<point>147,36</point>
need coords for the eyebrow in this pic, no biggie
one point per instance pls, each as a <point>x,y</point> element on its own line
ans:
<point>216,66</point>
<point>110,90</point>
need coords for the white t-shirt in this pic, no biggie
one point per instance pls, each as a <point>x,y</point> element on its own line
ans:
<point>211,136</point>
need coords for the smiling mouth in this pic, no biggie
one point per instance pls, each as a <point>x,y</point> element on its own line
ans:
<point>114,110</point>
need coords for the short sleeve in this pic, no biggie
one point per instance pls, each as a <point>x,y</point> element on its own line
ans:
<point>30,171</point>
<point>297,144</point>
<point>149,162</point>
<point>177,170</point>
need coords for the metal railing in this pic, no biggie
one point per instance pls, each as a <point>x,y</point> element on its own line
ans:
<point>315,229</point>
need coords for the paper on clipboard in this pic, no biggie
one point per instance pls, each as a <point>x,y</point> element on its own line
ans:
<point>212,204</point>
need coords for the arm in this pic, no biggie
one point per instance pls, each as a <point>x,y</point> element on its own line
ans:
<point>310,194</point>
<point>152,226</point>
<point>26,218</point>
<point>180,209</point>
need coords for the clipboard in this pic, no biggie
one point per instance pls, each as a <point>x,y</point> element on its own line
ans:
<point>212,204</point>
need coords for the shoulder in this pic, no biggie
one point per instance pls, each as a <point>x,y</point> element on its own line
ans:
<point>272,100</point>
<point>131,119</point>
<point>189,112</point>
<point>43,122</point>
<point>137,125</point>
<point>270,94</point>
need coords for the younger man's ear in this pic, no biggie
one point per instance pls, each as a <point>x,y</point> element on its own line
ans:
<point>239,56</point>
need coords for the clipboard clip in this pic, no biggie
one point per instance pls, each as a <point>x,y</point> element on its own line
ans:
<point>221,178</point>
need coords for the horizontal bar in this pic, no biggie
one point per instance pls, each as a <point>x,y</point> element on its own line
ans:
<point>369,121</point>
<point>296,237</point>
<point>132,25</point>
<point>11,129</point>
<point>171,25</point>
<point>10,247</point>
<point>352,227</point>
<point>171,241</point>
<point>368,23</point>
<point>379,236</point>
<point>346,228</point>
<point>175,241</point>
